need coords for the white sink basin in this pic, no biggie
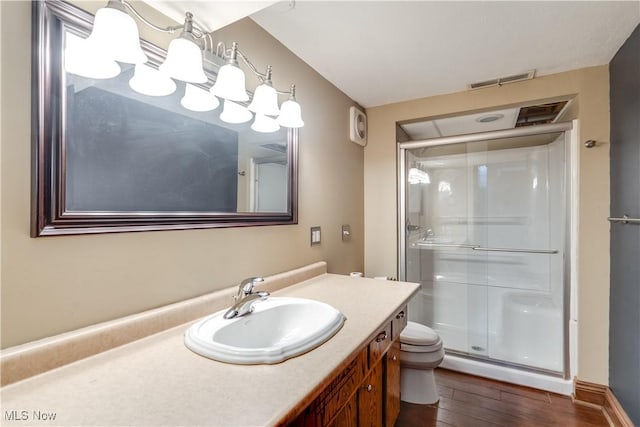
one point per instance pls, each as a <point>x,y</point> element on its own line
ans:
<point>278,328</point>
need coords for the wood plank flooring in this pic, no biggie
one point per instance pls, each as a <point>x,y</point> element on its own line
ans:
<point>466,400</point>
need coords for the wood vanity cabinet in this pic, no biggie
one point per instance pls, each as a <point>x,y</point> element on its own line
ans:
<point>392,378</point>
<point>366,393</point>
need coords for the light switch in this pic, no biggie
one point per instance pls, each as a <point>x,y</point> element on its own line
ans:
<point>315,236</point>
<point>346,232</point>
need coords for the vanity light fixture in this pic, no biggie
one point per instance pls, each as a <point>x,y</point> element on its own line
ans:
<point>80,59</point>
<point>184,57</point>
<point>198,99</point>
<point>149,81</point>
<point>115,34</point>
<point>115,37</point>
<point>264,124</point>
<point>234,113</point>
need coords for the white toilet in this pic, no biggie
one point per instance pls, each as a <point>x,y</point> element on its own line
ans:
<point>421,352</point>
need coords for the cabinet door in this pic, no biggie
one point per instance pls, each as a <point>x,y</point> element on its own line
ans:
<point>370,395</point>
<point>348,415</point>
<point>392,384</point>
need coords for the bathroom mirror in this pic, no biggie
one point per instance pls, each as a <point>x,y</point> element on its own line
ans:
<point>109,159</point>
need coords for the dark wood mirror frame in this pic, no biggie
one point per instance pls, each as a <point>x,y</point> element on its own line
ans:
<point>50,216</point>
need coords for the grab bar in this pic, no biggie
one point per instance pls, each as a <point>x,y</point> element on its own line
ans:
<point>625,220</point>
<point>527,251</point>
<point>485,249</point>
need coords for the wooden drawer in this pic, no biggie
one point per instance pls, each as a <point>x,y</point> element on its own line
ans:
<point>398,323</point>
<point>379,345</point>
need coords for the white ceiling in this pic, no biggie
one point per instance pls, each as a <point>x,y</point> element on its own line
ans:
<point>209,15</point>
<point>383,52</point>
<point>379,52</point>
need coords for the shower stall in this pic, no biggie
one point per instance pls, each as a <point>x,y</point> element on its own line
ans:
<point>484,228</point>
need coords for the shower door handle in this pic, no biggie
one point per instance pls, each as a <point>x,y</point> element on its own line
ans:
<point>526,251</point>
<point>445,245</point>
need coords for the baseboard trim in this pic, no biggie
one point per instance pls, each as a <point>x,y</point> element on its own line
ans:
<point>601,396</point>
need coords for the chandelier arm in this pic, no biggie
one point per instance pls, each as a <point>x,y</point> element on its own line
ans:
<point>170,29</point>
<point>291,92</point>
<point>221,48</point>
<point>208,37</point>
<point>262,77</point>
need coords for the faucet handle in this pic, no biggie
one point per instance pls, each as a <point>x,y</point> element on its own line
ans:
<point>246,287</point>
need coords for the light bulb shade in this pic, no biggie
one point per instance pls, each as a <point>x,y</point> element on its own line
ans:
<point>235,113</point>
<point>184,61</point>
<point>115,35</point>
<point>197,99</point>
<point>418,176</point>
<point>230,84</point>
<point>264,124</point>
<point>265,101</point>
<point>149,81</point>
<point>290,115</point>
<point>81,59</point>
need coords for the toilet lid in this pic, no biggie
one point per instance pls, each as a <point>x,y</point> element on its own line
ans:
<point>418,334</point>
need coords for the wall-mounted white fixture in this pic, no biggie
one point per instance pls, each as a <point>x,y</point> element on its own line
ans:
<point>115,38</point>
<point>358,126</point>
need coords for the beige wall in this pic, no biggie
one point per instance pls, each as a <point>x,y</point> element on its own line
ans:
<point>591,87</point>
<point>56,284</point>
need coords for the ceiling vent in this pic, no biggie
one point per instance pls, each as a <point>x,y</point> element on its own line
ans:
<point>503,80</point>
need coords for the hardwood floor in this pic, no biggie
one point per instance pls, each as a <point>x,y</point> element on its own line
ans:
<point>466,400</point>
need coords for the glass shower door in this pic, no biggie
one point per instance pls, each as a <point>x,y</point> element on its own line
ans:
<point>441,233</point>
<point>484,232</point>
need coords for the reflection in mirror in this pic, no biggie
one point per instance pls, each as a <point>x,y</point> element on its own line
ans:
<point>140,151</point>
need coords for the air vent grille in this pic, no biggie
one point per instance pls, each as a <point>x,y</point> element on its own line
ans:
<point>503,80</point>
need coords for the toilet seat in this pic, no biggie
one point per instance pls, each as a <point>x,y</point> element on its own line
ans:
<point>421,348</point>
<point>416,334</point>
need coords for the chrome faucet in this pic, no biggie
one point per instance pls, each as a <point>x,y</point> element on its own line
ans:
<point>245,298</point>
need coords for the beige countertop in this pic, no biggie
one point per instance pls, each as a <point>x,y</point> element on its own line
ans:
<point>157,381</point>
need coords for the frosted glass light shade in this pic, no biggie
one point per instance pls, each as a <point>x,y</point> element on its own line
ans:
<point>197,99</point>
<point>290,115</point>
<point>264,124</point>
<point>265,101</point>
<point>184,61</point>
<point>235,113</point>
<point>115,35</point>
<point>81,59</point>
<point>418,176</point>
<point>149,81</point>
<point>230,84</point>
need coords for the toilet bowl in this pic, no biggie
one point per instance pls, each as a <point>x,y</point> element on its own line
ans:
<point>421,352</point>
